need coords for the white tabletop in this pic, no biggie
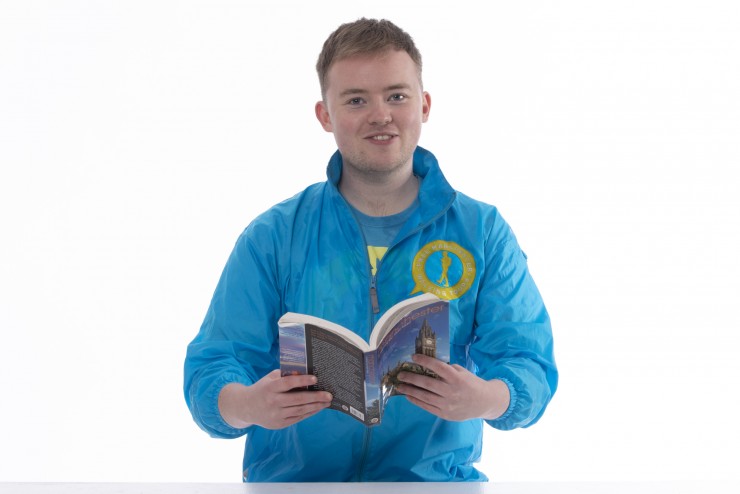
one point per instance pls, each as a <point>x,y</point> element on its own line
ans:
<point>377,488</point>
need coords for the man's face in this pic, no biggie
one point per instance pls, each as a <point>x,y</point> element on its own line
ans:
<point>375,106</point>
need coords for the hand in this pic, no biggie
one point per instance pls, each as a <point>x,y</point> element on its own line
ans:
<point>457,395</point>
<point>270,403</point>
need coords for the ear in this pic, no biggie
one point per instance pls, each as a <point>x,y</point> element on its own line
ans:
<point>322,114</point>
<point>426,106</point>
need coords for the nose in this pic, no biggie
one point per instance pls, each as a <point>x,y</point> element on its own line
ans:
<point>380,115</point>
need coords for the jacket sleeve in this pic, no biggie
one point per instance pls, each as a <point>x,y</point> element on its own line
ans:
<point>237,341</point>
<point>512,336</point>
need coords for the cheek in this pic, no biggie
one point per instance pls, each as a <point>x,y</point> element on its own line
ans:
<point>411,119</point>
<point>412,124</point>
<point>344,128</point>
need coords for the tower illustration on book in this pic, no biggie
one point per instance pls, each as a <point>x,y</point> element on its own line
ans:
<point>426,344</point>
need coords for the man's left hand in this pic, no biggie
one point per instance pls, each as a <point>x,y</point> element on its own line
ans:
<point>457,394</point>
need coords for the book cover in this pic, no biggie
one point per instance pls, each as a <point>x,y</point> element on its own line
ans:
<point>362,375</point>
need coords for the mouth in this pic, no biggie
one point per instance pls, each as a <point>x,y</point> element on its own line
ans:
<point>381,137</point>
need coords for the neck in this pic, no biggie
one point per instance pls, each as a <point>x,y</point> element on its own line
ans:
<point>381,196</point>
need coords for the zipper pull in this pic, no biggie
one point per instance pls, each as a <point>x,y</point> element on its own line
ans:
<point>374,297</point>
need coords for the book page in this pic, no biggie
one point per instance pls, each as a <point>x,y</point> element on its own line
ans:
<point>398,311</point>
<point>295,318</point>
<point>292,338</point>
<point>372,389</point>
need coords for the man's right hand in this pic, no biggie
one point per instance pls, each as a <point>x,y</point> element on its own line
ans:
<point>270,403</point>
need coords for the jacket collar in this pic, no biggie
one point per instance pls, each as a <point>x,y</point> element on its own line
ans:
<point>433,184</point>
<point>436,195</point>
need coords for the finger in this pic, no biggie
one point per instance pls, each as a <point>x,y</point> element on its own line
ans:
<point>421,394</point>
<point>424,405</point>
<point>285,420</point>
<point>298,418</point>
<point>287,383</point>
<point>439,412</point>
<point>440,368</point>
<point>301,398</point>
<point>424,382</point>
<point>303,410</point>
<point>282,415</point>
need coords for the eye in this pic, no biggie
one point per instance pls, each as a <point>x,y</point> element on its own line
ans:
<point>398,97</point>
<point>355,101</point>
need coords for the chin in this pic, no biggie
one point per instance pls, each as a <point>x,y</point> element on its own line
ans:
<point>380,169</point>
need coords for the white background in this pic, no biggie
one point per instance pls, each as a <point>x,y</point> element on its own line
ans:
<point>138,138</point>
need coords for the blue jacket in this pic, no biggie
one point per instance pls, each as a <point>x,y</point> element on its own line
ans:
<point>307,254</point>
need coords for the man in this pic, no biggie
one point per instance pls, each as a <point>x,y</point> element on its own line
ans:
<point>379,229</point>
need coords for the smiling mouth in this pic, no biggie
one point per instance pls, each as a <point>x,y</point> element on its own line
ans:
<point>383,137</point>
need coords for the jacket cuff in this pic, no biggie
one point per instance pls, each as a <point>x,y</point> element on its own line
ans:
<point>500,422</point>
<point>210,418</point>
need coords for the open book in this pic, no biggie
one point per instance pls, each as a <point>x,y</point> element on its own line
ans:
<point>360,375</point>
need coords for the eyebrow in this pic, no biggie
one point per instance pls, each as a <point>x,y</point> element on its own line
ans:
<point>392,87</point>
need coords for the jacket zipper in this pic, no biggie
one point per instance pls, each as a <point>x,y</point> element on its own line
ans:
<point>374,292</point>
<point>375,310</point>
<point>371,322</point>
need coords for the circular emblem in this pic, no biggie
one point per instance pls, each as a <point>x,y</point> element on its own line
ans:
<point>444,269</point>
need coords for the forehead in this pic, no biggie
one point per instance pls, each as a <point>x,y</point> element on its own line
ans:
<point>368,71</point>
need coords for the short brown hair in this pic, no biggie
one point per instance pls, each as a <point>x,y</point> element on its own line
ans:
<point>363,37</point>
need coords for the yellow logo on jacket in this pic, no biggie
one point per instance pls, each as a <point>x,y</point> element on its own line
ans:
<point>444,269</point>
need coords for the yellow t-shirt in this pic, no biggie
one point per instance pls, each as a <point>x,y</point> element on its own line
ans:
<point>375,254</point>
